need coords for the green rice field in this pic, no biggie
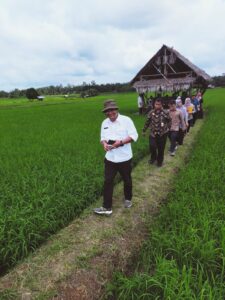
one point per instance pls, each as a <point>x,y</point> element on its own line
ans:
<point>184,255</point>
<point>51,166</point>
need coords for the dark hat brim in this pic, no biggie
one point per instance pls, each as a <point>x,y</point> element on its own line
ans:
<point>109,108</point>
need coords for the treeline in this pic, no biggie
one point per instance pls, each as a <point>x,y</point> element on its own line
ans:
<point>86,89</point>
<point>89,89</point>
<point>219,81</point>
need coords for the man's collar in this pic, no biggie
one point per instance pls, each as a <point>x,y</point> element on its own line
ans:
<point>117,119</point>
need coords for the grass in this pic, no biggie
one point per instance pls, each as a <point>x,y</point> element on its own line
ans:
<point>56,99</point>
<point>184,256</point>
<point>51,168</point>
<point>23,101</point>
<point>74,259</point>
<point>180,260</point>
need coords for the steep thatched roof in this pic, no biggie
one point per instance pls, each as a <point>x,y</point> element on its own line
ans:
<point>199,72</point>
<point>169,70</point>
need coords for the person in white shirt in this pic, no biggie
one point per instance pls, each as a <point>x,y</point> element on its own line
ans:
<point>117,133</point>
<point>178,99</point>
<point>140,104</point>
<point>181,133</point>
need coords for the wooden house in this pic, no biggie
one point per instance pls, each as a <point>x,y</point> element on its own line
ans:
<point>169,71</point>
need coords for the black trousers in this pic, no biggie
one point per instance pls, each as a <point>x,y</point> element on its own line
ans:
<point>190,124</point>
<point>173,139</point>
<point>140,109</point>
<point>180,136</point>
<point>157,146</point>
<point>195,116</point>
<point>111,169</point>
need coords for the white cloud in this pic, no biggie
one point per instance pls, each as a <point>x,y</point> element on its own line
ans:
<point>53,42</point>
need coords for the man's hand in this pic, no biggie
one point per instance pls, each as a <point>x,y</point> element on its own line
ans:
<point>117,144</point>
<point>106,146</point>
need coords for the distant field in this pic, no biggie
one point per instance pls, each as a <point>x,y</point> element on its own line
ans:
<point>54,99</point>
<point>184,256</point>
<point>51,166</point>
<point>47,100</point>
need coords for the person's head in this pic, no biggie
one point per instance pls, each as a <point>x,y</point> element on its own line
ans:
<point>172,105</point>
<point>111,109</point>
<point>158,104</point>
<point>187,101</point>
<point>179,103</point>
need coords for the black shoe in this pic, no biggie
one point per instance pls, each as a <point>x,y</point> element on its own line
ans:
<point>159,164</point>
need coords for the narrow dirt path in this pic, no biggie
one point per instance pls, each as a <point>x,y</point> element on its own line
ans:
<point>78,261</point>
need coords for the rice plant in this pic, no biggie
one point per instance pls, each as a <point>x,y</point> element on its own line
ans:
<point>51,168</point>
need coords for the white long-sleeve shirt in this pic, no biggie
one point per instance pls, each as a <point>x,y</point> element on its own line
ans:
<point>140,102</point>
<point>184,113</point>
<point>120,129</point>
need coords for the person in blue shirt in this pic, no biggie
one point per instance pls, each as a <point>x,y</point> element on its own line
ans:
<point>195,102</point>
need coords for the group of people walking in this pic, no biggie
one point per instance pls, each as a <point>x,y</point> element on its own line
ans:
<point>174,122</point>
<point>118,132</point>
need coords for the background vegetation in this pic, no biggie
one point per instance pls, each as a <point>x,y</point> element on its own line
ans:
<point>90,89</point>
<point>83,89</point>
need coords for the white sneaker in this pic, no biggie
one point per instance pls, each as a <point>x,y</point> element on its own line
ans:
<point>127,203</point>
<point>172,154</point>
<point>103,211</point>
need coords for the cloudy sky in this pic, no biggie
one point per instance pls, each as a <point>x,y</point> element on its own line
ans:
<point>46,42</point>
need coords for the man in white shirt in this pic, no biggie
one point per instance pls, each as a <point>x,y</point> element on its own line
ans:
<point>117,133</point>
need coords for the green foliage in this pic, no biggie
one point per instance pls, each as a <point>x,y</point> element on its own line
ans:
<point>51,168</point>
<point>184,257</point>
<point>8,294</point>
<point>31,94</point>
<point>3,94</point>
<point>91,89</point>
<point>89,93</point>
<point>219,80</point>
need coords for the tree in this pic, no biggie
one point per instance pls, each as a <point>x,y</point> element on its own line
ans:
<point>92,92</point>
<point>3,94</point>
<point>15,93</point>
<point>219,80</point>
<point>31,94</point>
<point>82,94</point>
<point>89,93</point>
